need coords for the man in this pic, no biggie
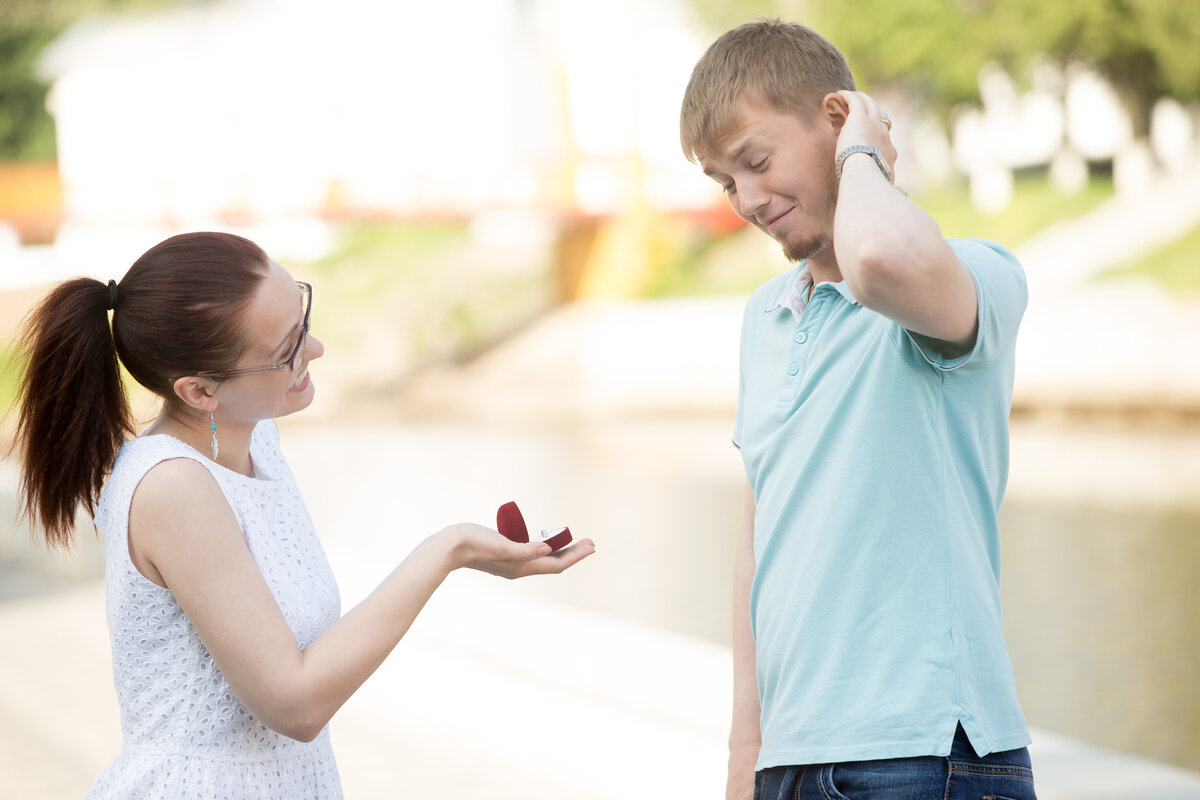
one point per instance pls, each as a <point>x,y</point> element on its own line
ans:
<point>876,379</point>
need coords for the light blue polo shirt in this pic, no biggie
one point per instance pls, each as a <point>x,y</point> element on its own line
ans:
<point>878,469</point>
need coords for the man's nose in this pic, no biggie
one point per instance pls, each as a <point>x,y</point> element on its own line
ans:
<point>750,199</point>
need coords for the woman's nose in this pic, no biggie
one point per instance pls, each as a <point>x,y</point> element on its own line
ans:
<point>313,348</point>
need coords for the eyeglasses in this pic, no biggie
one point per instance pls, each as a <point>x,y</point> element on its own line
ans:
<point>292,361</point>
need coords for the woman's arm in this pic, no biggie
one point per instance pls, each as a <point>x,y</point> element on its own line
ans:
<point>183,532</point>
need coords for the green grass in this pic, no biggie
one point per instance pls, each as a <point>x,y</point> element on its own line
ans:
<point>1035,205</point>
<point>374,257</point>
<point>401,246</point>
<point>1176,266</point>
<point>395,296</point>
<point>376,276</point>
<point>10,372</point>
<point>402,239</point>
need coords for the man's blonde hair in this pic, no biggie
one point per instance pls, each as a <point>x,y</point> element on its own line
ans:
<point>787,66</point>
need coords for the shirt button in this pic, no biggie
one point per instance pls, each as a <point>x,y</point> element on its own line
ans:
<point>793,368</point>
<point>801,337</point>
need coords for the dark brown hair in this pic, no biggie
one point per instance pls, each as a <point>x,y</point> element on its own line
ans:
<point>178,311</point>
<point>785,65</point>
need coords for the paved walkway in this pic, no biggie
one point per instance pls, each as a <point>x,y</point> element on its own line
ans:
<point>512,690</point>
<point>489,696</point>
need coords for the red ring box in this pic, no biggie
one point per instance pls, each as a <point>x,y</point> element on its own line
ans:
<point>510,523</point>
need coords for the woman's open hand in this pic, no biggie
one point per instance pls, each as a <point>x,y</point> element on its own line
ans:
<point>482,548</point>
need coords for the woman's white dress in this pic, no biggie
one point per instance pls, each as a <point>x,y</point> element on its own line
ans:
<point>185,733</point>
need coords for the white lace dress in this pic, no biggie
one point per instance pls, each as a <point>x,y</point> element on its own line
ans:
<point>185,733</point>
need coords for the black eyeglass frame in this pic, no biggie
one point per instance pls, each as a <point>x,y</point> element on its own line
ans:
<point>288,363</point>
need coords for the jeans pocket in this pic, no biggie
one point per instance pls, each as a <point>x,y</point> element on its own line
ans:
<point>994,782</point>
<point>827,784</point>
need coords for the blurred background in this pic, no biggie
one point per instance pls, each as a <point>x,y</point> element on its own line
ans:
<point>526,292</point>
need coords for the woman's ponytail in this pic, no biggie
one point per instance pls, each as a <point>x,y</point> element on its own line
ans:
<point>73,413</point>
<point>176,312</point>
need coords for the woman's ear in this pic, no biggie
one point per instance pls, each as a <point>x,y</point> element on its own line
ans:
<point>835,110</point>
<point>196,392</point>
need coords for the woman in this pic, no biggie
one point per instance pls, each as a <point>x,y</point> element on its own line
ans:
<point>229,655</point>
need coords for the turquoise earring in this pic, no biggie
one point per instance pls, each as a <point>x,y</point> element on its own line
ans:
<point>213,425</point>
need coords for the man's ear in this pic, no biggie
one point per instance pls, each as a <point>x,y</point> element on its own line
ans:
<point>834,110</point>
<point>197,392</point>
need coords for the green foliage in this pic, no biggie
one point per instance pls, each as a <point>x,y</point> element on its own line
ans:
<point>1144,43</point>
<point>1146,48</point>
<point>935,48</point>
<point>26,129</point>
<point>56,15</point>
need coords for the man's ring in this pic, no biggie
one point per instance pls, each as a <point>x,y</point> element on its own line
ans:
<point>886,120</point>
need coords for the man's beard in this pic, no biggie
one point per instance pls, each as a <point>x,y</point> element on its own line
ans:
<point>807,248</point>
<point>817,243</point>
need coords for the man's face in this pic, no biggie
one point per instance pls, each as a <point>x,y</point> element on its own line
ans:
<point>778,174</point>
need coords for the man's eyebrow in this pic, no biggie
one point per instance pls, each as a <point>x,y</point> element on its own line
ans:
<point>741,149</point>
<point>734,154</point>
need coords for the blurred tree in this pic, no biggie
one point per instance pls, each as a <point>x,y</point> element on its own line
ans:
<point>26,27</point>
<point>1145,48</point>
<point>26,129</point>
<point>935,48</point>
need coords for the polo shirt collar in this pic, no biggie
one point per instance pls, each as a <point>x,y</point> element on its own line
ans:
<point>793,293</point>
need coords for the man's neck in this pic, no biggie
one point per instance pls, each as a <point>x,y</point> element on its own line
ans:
<point>824,269</point>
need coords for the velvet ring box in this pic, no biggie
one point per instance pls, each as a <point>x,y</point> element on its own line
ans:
<point>510,523</point>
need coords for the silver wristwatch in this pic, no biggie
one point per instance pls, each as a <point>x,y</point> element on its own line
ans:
<point>873,152</point>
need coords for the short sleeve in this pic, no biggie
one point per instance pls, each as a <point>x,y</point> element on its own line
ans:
<point>1002,294</point>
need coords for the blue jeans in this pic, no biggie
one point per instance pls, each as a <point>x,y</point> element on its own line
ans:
<point>962,775</point>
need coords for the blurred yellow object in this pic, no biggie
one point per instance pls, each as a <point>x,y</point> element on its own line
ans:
<point>31,200</point>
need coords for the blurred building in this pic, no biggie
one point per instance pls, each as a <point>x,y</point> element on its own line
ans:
<point>551,119</point>
<point>247,110</point>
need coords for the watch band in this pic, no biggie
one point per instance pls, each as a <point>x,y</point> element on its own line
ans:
<point>873,152</point>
